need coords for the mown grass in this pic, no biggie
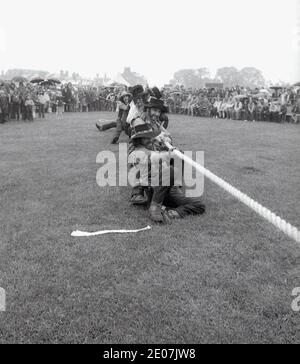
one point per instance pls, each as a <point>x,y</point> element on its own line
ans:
<point>224,277</point>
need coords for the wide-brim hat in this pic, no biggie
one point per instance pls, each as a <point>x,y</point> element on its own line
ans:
<point>137,90</point>
<point>124,94</point>
<point>142,131</point>
<point>156,93</point>
<point>155,103</point>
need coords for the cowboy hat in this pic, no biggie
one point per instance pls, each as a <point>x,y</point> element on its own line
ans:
<point>155,103</point>
<point>156,93</point>
<point>137,90</point>
<point>124,94</point>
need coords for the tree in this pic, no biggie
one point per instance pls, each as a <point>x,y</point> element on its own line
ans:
<point>251,77</point>
<point>203,75</point>
<point>186,77</point>
<point>247,77</point>
<point>203,72</point>
<point>229,76</point>
<point>192,78</point>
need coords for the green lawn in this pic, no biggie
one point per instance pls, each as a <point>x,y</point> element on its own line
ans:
<point>223,277</point>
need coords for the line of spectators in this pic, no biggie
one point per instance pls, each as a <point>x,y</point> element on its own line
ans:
<point>29,101</point>
<point>236,104</point>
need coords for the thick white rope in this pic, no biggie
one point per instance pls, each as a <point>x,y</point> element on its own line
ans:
<point>288,229</point>
<point>81,234</point>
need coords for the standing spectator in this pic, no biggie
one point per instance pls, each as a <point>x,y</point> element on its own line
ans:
<point>245,110</point>
<point>60,107</point>
<point>283,112</point>
<point>53,99</point>
<point>213,109</point>
<point>251,110</point>
<point>4,106</point>
<point>217,106</point>
<point>83,102</point>
<point>47,102</point>
<point>41,105</point>
<point>259,111</point>
<point>222,109</point>
<point>238,107</point>
<point>296,111</point>
<point>76,101</point>
<point>273,112</point>
<point>16,103</point>
<point>230,107</point>
<point>266,111</point>
<point>184,106</point>
<point>29,104</point>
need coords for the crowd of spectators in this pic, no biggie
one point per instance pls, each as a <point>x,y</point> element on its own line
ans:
<point>27,101</point>
<point>238,103</point>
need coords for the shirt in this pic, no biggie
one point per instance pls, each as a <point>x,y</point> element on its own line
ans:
<point>133,113</point>
<point>29,103</point>
<point>42,99</point>
<point>148,163</point>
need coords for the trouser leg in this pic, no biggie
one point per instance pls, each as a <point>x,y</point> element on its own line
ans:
<point>176,199</point>
<point>159,194</point>
<point>4,114</point>
<point>16,111</point>
<point>119,129</point>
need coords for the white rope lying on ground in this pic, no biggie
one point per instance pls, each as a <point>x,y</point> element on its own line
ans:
<point>80,234</point>
<point>288,229</point>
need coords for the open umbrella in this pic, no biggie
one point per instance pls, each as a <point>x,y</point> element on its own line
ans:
<point>240,97</point>
<point>50,82</point>
<point>37,80</point>
<point>54,80</point>
<point>264,91</point>
<point>261,96</point>
<point>19,79</point>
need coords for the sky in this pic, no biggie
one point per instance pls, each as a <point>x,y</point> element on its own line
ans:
<point>155,38</point>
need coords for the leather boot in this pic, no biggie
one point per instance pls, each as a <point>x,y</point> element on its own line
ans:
<point>155,212</point>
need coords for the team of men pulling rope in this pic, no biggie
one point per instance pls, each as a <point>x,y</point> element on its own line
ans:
<point>142,115</point>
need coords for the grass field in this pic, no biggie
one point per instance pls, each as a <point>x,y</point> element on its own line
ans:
<point>224,277</point>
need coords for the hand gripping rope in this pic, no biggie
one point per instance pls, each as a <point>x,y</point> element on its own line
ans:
<point>285,227</point>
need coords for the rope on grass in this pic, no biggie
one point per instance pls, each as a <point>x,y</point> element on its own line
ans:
<point>288,229</point>
<point>81,234</point>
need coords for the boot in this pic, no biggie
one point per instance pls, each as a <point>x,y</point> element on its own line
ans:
<point>99,127</point>
<point>155,212</point>
<point>173,214</point>
<point>139,200</point>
